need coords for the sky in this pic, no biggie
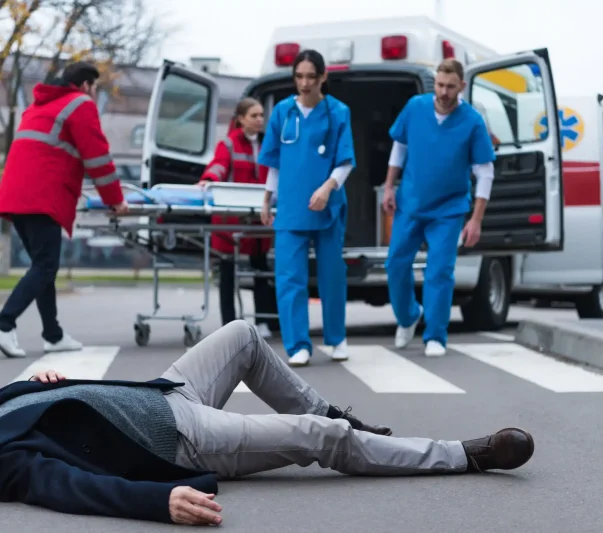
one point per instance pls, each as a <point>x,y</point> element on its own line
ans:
<point>239,31</point>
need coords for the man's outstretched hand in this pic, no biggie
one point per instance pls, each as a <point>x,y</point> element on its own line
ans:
<point>193,508</point>
<point>47,376</point>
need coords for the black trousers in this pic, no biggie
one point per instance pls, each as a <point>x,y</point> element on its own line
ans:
<point>264,296</point>
<point>42,239</point>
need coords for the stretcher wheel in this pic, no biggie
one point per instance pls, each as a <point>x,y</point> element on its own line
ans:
<point>192,335</point>
<point>142,334</point>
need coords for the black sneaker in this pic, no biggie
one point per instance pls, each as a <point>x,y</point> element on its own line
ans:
<point>336,412</point>
<point>507,449</point>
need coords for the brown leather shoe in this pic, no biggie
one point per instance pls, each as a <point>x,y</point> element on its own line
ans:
<point>336,412</point>
<point>507,449</point>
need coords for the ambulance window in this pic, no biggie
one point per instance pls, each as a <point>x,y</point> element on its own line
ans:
<point>512,102</point>
<point>183,115</point>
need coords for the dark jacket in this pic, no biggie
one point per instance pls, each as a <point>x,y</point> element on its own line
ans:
<point>65,456</point>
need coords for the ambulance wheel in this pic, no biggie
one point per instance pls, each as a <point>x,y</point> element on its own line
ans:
<point>192,335</point>
<point>491,298</point>
<point>142,334</point>
<point>590,305</point>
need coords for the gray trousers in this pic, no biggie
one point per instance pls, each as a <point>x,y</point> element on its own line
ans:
<point>235,445</point>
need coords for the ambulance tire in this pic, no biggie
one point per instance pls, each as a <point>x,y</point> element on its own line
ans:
<point>489,305</point>
<point>591,305</point>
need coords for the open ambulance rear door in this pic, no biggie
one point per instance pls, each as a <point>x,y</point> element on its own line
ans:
<point>180,130</point>
<point>516,96</point>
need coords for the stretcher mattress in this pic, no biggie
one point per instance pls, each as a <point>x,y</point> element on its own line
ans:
<point>151,197</point>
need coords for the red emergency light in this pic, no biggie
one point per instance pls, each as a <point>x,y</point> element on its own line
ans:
<point>447,50</point>
<point>285,54</point>
<point>394,47</point>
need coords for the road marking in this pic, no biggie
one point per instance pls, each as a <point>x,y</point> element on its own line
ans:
<point>92,362</point>
<point>497,336</point>
<point>534,367</point>
<point>385,371</point>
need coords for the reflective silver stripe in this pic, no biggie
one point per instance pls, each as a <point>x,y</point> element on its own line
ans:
<point>66,113</point>
<point>47,139</point>
<point>242,157</point>
<point>218,169</point>
<point>52,138</point>
<point>100,161</point>
<point>105,180</point>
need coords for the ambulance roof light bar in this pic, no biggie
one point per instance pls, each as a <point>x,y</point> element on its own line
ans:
<point>394,47</point>
<point>447,50</point>
<point>285,54</point>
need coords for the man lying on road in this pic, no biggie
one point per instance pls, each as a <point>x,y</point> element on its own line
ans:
<point>155,450</point>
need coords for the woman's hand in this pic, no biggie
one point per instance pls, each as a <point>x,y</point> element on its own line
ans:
<point>47,376</point>
<point>321,196</point>
<point>266,215</point>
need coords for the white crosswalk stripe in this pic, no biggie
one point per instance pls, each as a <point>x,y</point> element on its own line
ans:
<point>544,371</point>
<point>382,370</point>
<point>90,363</point>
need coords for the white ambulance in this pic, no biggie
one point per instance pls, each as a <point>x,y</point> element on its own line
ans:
<point>376,66</point>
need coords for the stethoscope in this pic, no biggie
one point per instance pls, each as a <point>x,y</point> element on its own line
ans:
<point>322,148</point>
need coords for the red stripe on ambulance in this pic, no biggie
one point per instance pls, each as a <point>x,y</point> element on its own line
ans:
<point>581,183</point>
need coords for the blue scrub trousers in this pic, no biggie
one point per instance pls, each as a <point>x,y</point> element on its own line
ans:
<point>407,236</point>
<point>291,250</point>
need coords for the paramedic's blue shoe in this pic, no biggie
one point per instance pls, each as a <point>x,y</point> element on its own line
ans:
<point>507,449</point>
<point>66,344</point>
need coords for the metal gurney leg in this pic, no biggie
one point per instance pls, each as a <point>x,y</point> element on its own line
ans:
<point>165,202</point>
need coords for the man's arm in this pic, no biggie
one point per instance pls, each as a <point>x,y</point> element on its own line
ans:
<point>55,485</point>
<point>482,157</point>
<point>87,133</point>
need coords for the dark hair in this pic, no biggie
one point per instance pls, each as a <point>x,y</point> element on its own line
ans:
<point>452,66</point>
<point>316,59</point>
<point>243,106</point>
<point>80,72</point>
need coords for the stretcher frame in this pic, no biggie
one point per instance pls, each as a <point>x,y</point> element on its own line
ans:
<point>234,199</point>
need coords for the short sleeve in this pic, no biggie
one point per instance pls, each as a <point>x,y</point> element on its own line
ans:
<point>482,150</point>
<point>345,153</point>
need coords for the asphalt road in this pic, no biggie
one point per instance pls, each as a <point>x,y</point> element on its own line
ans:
<point>472,391</point>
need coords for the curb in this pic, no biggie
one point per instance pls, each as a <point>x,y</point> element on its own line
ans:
<point>574,341</point>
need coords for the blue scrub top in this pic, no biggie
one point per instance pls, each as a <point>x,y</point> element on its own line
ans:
<point>302,169</point>
<point>436,181</point>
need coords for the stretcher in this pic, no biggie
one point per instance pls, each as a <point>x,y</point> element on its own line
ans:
<point>168,220</point>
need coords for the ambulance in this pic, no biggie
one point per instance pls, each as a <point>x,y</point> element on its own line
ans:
<point>375,67</point>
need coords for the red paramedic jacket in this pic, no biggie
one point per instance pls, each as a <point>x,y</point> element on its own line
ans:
<point>233,161</point>
<point>59,139</point>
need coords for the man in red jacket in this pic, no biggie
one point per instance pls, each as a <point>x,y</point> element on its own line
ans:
<point>59,139</point>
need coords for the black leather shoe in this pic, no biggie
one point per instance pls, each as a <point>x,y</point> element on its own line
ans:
<point>507,449</point>
<point>336,412</point>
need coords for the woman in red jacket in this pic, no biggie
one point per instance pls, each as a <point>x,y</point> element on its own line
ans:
<point>235,160</point>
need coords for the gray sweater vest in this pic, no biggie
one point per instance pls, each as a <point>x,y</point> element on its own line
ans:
<point>141,413</point>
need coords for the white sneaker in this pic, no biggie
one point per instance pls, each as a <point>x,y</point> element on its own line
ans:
<point>9,344</point>
<point>340,352</point>
<point>66,344</point>
<point>434,349</point>
<point>263,330</point>
<point>301,358</point>
<point>405,335</point>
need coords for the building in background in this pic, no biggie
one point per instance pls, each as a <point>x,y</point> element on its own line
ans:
<point>123,116</point>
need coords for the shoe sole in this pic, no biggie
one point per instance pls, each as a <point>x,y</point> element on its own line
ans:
<point>530,442</point>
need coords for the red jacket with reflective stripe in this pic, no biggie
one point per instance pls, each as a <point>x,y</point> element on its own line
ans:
<point>234,161</point>
<point>59,139</point>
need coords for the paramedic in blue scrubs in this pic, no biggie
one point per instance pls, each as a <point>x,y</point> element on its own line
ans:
<point>438,140</point>
<point>309,150</point>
